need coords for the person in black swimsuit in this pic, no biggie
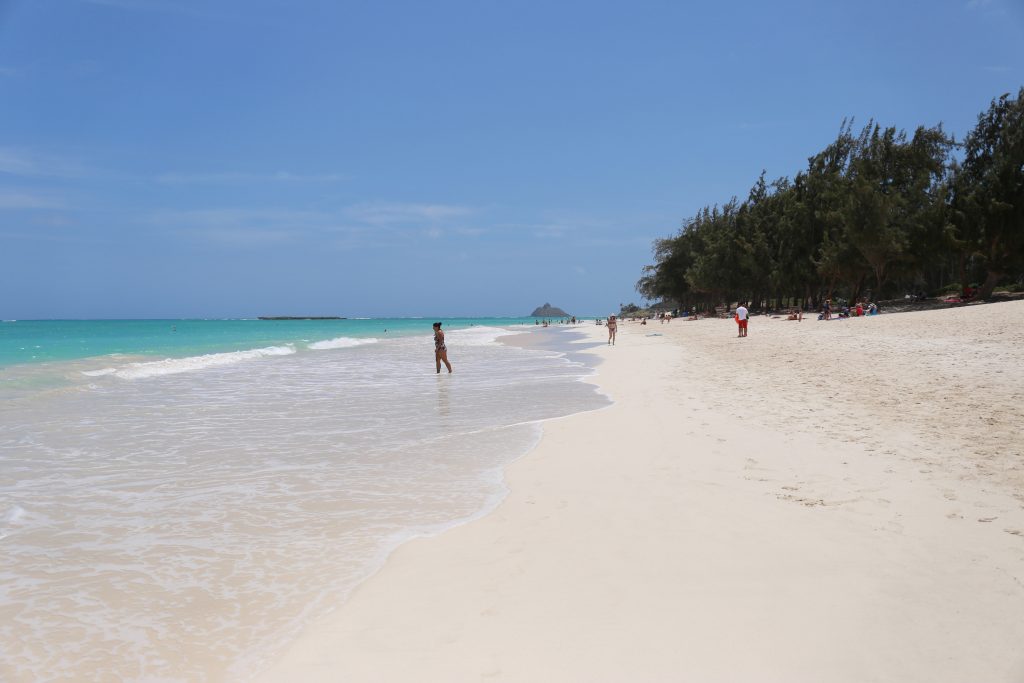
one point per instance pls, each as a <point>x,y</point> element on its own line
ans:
<point>440,350</point>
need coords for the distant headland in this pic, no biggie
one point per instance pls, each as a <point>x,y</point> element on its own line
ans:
<point>301,317</point>
<point>549,311</point>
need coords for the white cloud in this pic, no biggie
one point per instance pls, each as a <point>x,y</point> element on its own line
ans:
<point>246,237</point>
<point>242,227</point>
<point>397,214</point>
<point>238,178</point>
<point>15,199</point>
<point>551,231</point>
<point>360,226</point>
<point>21,162</point>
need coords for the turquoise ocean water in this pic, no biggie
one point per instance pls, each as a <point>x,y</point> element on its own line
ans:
<point>179,499</point>
<point>38,341</point>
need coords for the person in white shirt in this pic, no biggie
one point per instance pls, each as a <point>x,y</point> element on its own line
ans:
<point>741,319</point>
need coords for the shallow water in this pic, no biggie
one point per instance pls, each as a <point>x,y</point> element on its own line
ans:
<point>185,525</point>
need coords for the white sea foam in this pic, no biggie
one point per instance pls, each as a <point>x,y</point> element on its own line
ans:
<point>10,519</point>
<point>476,336</point>
<point>342,343</point>
<point>99,373</point>
<point>172,366</point>
<point>262,492</point>
<point>14,514</point>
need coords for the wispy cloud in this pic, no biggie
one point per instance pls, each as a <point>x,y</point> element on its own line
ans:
<point>17,199</point>
<point>405,214</point>
<point>21,162</point>
<point>240,178</point>
<point>241,227</point>
<point>247,237</point>
<point>360,226</point>
<point>993,10</point>
<point>550,231</point>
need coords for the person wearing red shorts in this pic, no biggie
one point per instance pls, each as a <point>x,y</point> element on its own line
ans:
<point>742,317</point>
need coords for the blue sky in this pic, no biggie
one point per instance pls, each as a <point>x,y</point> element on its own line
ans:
<point>176,158</point>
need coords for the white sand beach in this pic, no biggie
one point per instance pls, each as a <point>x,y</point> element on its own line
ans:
<point>835,501</point>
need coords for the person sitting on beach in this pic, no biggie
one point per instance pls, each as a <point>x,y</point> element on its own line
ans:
<point>613,326</point>
<point>793,315</point>
<point>440,350</point>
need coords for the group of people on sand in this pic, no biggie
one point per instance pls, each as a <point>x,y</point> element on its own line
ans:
<point>861,308</point>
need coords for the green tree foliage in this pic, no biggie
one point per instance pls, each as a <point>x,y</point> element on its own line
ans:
<point>987,195</point>
<point>875,212</point>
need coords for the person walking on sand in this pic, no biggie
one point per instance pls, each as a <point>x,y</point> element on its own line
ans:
<point>741,319</point>
<point>613,326</point>
<point>440,350</point>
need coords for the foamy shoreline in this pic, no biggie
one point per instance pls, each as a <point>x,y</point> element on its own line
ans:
<point>189,523</point>
<point>833,501</point>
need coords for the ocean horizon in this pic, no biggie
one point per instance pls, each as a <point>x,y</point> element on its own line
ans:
<point>49,340</point>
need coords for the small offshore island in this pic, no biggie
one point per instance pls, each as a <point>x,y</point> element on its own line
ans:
<point>548,311</point>
<point>300,317</point>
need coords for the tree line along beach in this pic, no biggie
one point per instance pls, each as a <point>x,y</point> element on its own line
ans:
<point>876,214</point>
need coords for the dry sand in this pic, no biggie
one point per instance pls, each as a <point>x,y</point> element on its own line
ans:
<point>822,501</point>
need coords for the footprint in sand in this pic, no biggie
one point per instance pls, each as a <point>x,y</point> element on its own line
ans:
<point>987,519</point>
<point>1014,532</point>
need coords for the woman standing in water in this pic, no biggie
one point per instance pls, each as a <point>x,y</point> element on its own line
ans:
<point>440,350</point>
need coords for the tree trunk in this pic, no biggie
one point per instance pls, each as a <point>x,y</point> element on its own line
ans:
<point>880,279</point>
<point>963,275</point>
<point>858,288</point>
<point>991,280</point>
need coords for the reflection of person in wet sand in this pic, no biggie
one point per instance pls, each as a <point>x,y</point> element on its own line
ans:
<point>440,350</point>
<point>443,404</point>
<point>613,326</point>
